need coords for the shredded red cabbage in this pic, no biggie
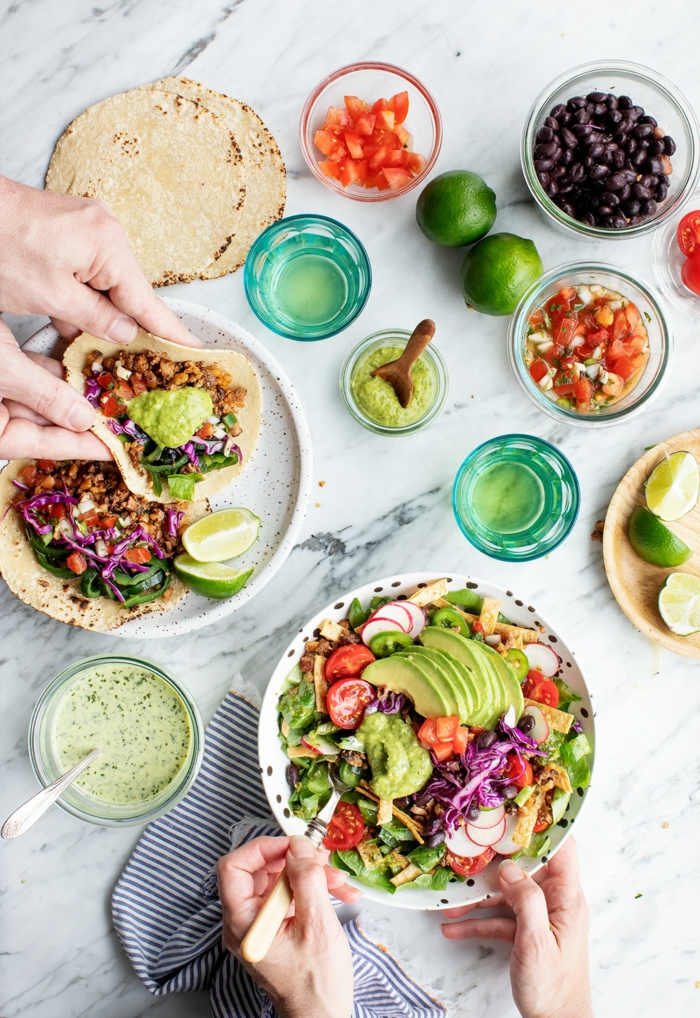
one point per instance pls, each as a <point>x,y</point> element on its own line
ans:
<point>174,520</point>
<point>209,445</point>
<point>188,449</point>
<point>125,426</point>
<point>232,447</point>
<point>391,703</point>
<point>93,391</point>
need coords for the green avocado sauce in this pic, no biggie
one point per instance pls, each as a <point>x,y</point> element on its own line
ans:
<point>171,417</point>
<point>138,721</point>
<point>377,399</point>
<point>400,765</point>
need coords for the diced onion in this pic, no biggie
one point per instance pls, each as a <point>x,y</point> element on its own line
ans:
<point>85,505</point>
<point>540,337</point>
<point>592,370</point>
<point>213,419</point>
<point>101,547</point>
<point>585,295</point>
<point>577,341</point>
<point>122,372</point>
<point>546,383</point>
<point>493,641</point>
<point>97,368</point>
<point>219,433</point>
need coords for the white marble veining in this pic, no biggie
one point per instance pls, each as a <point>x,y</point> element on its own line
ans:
<point>384,504</point>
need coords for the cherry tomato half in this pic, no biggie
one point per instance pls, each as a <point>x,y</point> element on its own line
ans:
<point>346,701</point>
<point>348,662</point>
<point>689,233</point>
<point>690,272</point>
<point>518,771</point>
<point>536,687</point>
<point>470,866</point>
<point>345,829</point>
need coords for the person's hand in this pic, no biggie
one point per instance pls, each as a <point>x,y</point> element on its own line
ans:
<point>67,258</point>
<point>308,970</point>
<point>549,934</point>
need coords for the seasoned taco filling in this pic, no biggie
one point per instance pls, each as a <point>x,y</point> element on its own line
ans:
<point>177,421</point>
<point>84,524</point>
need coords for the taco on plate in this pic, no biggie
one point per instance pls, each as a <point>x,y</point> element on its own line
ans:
<point>76,544</point>
<point>181,423</point>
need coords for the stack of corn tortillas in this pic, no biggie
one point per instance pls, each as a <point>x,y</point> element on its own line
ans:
<point>193,175</point>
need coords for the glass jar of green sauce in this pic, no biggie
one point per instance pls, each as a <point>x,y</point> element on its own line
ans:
<point>373,402</point>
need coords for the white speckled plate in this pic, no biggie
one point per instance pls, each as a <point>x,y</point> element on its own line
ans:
<point>276,484</point>
<point>273,762</point>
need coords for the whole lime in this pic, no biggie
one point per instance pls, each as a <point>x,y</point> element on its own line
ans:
<point>456,208</point>
<point>497,272</point>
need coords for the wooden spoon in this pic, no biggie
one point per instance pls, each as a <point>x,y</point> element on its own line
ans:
<point>398,373</point>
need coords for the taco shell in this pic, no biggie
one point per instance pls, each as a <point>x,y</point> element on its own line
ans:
<point>238,366</point>
<point>61,599</point>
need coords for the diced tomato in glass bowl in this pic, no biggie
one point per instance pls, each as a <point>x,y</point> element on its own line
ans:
<point>365,147</point>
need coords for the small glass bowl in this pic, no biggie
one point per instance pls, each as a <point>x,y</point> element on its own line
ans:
<point>294,237</point>
<point>668,261</point>
<point>47,768</point>
<point>660,99</point>
<point>559,490</point>
<point>371,81</point>
<point>393,337</point>
<point>658,331</point>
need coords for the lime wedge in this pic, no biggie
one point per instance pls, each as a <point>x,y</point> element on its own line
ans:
<point>654,542</point>
<point>679,603</point>
<point>222,536</point>
<point>212,579</point>
<point>672,488</point>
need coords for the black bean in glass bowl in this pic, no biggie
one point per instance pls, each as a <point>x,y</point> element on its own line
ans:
<point>603,160</point>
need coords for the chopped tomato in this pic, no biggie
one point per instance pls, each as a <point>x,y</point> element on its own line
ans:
<point>353,144</point>
<point>554,353</point>
<point>365,124</point>
<point>395,159</point>
<point>583,389</point>
<point>477,627</point>
<point>325,142</point>
<point>381,182</point>
<point>399,104</point>
<point>396,178</point>
<point>108,521</point>
<point>460,740</point>
<point>446,728</point>
<point>122,390</point>
<point>565,333</point>
<point>362,170</point>
<point>57,511</point>
<point>688,233</point>
<point>90,518</point>
<point>538,369</point>
<point>47,465</point>
<point>356,107</point>
<point>345,828</point>
<point>137,556</point>
<point>330,169</point>
<point>346,701</point>
<point>28,475</point>
<point>519,771</point>
<point>623,367</point>
<point>347,662</point>
<point>537,687</point>
<point>76,562</point>
<point>138,384</point>
<point>443,751</point>
<point>385,119</point>
<point>110,405</point>
<point>105,380</point>
<point>348,172</point>
<point>415,162</point>
<point>337,117</point>
<point>469,866</point>
<point>427,733</point>
<point>206,431</point>
<point>564,383</point>
<point>536,318</point>
<point>540,826</point>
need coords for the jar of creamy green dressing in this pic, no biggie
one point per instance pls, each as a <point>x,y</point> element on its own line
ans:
<point>372,401</point>
<point>146,725</point>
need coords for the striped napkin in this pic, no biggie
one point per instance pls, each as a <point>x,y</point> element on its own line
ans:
<point>166,908</point>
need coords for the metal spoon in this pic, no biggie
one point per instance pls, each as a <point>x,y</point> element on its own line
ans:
<point>263,930</point>
<point>23,818</point>
<point>398,373</point>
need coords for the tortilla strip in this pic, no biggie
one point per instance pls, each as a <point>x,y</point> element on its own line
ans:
<point>488,616</point>
<point>61,599</point>
<point>238,366</point>
<point>554,776</point>
<point>320,684</point>
<point>502,629</point>
<point>527,818</point>
<point>295,752</point>
<point>427,595</point>
<point>370,854</point>
<point>385,811</point>
<point>559,720</point>
<point>330,630</point>
<point>406,875</point>
<point>414,827</point>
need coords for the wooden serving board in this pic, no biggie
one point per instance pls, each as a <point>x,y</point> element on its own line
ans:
<point>635,583</point>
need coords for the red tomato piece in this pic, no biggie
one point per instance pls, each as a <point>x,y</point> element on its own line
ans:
<point>396,158</point>
<point>138,384</point>
<point>622,367</point>
<point>538,369</point>
<point>345,829</point>
<point>518,772</point>
<point>427,733</point>
<point>380,105</point>
<point>396,178</point>
<point>690,272</point>
<point>337,117</point>
<point>446,728</point>
<point>137,556</point>
<point>537,687</point>
<point>460,740</point>
<point>477,627</point>
<point>399,104</point>
<point>338,154</point>
<point>541,826</point>
<point>536,318</point>
<point>76,562</point>
<point>347,662</point>
<point>583,389</point>
<point>346,701</point>
<point>105,380</point>
<point>28,475</point>
<point>57,511</point>
<point>362,170</point>
<point>330,169</point>
<point>554,353</point>
<point>564,383</point>
<point>47,465</point>
<point>381,181</point>
<point>109,404</point>
<point>356,107</point>
<point>620,326</point>
<point>688,233</point>
<point>443,751</point>
<point>565,332</point>
<point>90,518</point>
<point>365,124</point>
<point>348,171</point>
<point>108,521</point>
<point>325,142</point>
<point>206,431</point>
<point>379,156</point>
<point>415,162</point>
<point>470,866</point>
<point>385,119</point>
<point>353,144</point>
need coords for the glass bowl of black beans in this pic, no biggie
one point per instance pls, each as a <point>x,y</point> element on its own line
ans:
<point>610,149</point>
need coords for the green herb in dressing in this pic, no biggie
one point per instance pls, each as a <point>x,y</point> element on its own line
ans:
<point>377,399</point>
<point>139,722</point>
<point>171,417</point>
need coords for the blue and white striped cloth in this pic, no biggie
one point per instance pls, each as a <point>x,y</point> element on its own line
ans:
<point>166,908</point>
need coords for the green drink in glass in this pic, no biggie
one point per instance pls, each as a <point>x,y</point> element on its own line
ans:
<point>516,498</point>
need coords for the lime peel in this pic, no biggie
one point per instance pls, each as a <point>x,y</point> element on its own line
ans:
<point>654,542</point>
<point>211,579</point>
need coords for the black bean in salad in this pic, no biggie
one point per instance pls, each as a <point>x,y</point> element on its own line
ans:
<point>603,160</point>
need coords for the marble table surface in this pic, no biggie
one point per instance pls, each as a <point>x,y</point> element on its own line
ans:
<point>379,505</point>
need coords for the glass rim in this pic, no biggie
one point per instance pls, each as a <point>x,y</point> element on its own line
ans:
<point>181,783</point>
<point>672,93</point>
<point>553,410</point>
<point>431,353</point>
<point>370,65</point>
<point>570,477</point>
<point>270,231</point>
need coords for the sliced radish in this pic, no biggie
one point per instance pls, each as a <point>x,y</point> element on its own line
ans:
<point>459,843</point>
<point>488,837</point>
<point>506,846</point>
<point>375,626</point>
<point>488,818</point>
<point>540,733</point>
<point>417,615</point>
<point>509,717</point>
<point>309,746</point>
<point>542,658</point>
<point>396,611</point>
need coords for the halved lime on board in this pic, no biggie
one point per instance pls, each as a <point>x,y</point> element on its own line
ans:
<point>679,603</point>
<point>211,579</point>
<point>654,542</point>
<point>222,536</point>
<point>672,488</point>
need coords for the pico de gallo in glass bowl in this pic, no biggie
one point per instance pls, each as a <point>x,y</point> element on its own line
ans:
<point>589,344</point>
<point>370,131</point>
<point>463,734</point>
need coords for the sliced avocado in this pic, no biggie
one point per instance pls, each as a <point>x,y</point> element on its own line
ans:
<point>400,675</point>
<point>433,664</point>
<point>510,680</point>
<point>488,692</point>
<point>458,675</point>
<point>502,695</point>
